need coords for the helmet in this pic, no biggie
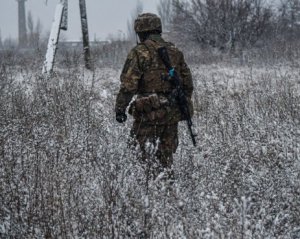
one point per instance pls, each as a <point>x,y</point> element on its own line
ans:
<point>147,22</point>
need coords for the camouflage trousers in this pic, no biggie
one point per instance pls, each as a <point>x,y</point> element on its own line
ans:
<point>157,143</point>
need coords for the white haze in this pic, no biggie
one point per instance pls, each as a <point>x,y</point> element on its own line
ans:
<point>105,17</point>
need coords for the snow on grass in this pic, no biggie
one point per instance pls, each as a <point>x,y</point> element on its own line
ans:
<point>67,168</point>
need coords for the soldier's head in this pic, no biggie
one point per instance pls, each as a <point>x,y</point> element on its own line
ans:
<point>146,24</point>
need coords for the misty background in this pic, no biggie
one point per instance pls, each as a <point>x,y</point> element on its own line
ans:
<point>106,18</point>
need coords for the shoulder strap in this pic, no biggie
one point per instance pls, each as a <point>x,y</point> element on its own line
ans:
<point>151,44</point>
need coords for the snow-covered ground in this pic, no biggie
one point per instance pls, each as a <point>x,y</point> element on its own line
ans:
<point>67,171</point>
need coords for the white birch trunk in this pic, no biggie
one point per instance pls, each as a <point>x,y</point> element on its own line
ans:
<point>53,40</point>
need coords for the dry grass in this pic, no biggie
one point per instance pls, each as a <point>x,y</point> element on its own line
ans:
<point>66,170</point>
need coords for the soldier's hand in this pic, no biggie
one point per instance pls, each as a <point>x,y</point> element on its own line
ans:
<point>121,117</point>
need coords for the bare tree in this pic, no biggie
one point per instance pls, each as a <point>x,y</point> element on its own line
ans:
<point>165,11</point>
<point>10,43</point>
<point>223,23</point>
<point>30,22</point>
<point>30,25</point>
<point>35,31</point>
<point>1,44</point>
<point>38,32</point>
<point>289,19</point>
<point>130,23</point>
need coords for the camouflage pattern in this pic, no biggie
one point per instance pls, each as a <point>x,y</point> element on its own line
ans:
<point>163,139</point>
<point>155,113</point>
<point>147,22</point>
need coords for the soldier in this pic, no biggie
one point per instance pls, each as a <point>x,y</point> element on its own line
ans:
<point>155,111</point>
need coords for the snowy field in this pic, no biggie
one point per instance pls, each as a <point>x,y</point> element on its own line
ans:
<point>66,170</point>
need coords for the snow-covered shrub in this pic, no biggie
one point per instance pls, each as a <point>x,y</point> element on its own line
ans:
<point>67,169</point>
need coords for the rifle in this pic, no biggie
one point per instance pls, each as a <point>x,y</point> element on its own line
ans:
<point>180,95</point>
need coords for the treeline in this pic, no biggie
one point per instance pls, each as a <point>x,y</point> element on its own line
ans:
<point>269,28</point>
<point>33,39</point>
<point>231,24</point>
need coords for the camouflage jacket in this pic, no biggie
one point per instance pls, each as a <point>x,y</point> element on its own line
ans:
<point>142,76</point>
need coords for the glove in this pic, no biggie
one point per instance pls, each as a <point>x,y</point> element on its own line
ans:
<point>121,117</point>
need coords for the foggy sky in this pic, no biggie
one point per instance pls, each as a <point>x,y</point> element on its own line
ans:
<point>105,17</point>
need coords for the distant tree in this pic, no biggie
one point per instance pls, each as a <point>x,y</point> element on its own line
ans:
<point>1,44</point>
<point>30,22</point>
<point>35,31</point>
<point>10,43</point>
<point>289,18</point>
<point>130,23</point>
<point>38,33</point>
<point>30,26</point>
<point>222,23</point>
<point>165,11</point>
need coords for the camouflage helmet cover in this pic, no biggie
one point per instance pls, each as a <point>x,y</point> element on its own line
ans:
<point>147,22</point>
